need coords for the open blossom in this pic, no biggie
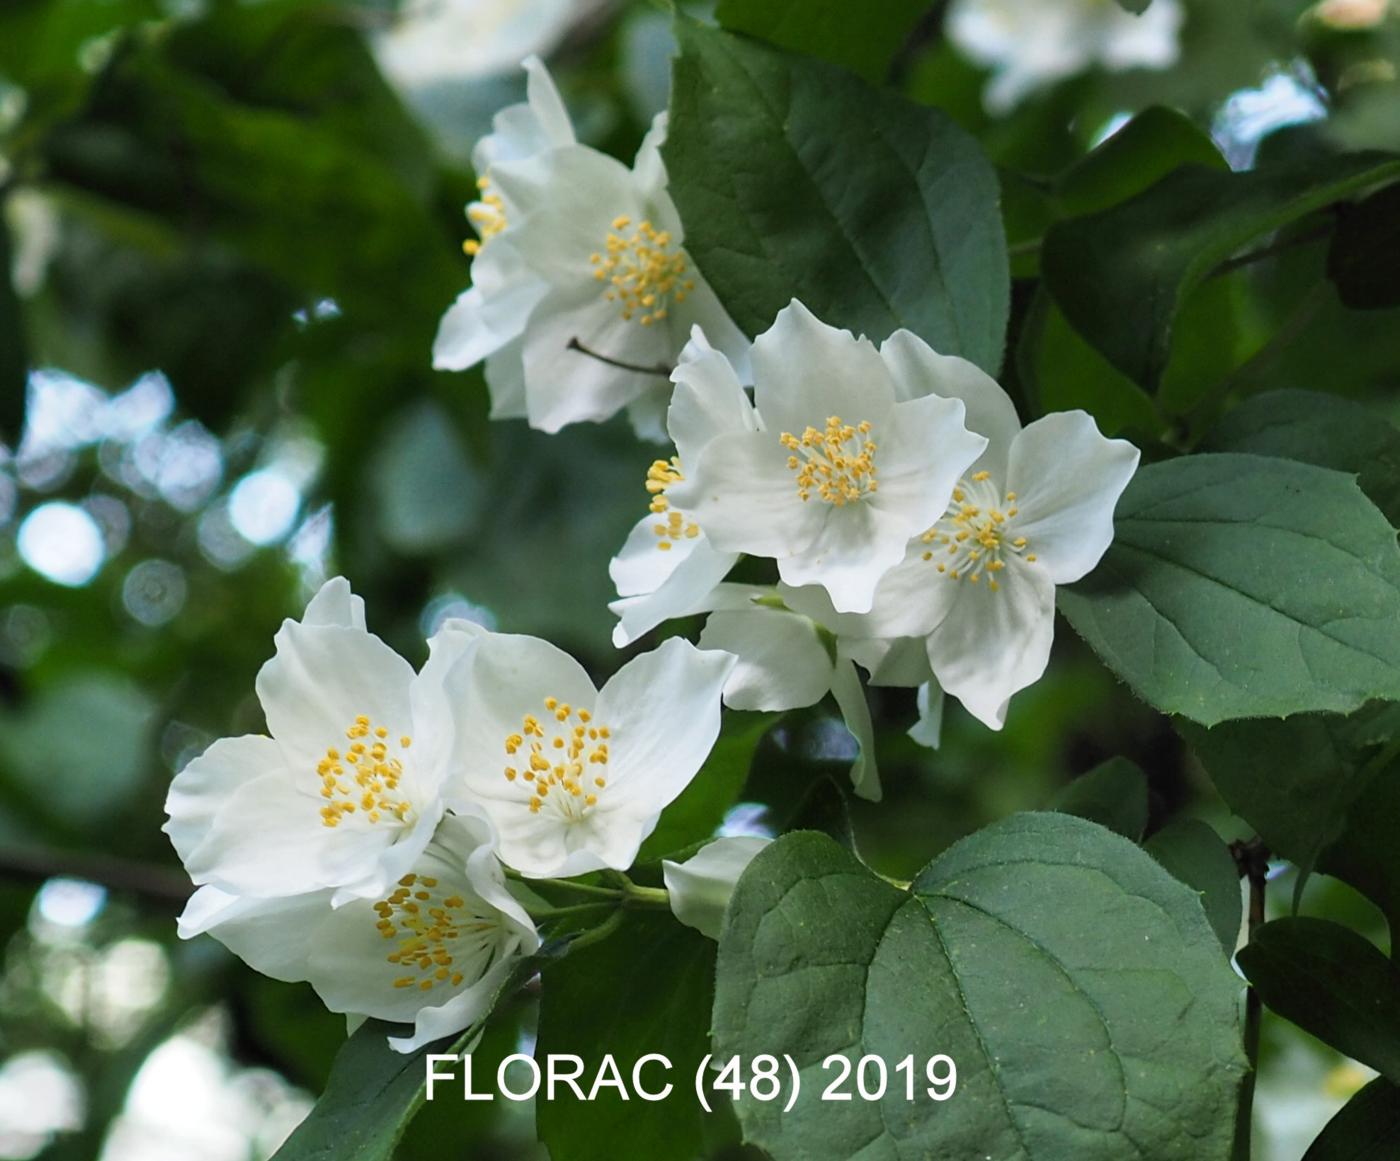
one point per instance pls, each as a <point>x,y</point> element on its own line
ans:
<point>346,792</point>
<point>432,949</point>
<point>853,457</point>
<point>574,778</point>
<point>667,567</point>
<point>700,888</point>
<point>1034,511</point>
<point>1032,43</point>
<point>578,250</point>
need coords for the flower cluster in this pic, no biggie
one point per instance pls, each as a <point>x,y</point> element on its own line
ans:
<point>368,844</point>
<point>582,292</point>
<point>917,530</point>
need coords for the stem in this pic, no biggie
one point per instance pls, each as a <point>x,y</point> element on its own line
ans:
<point>659,369</point>
<point>647,899</point>
<point>1262,252</point>
<point>1252,858</point>
<point>1023,249</point>
<point>116,874</point>
<point>543,913</point>
<point>598,934</point>
<point>610,893</point>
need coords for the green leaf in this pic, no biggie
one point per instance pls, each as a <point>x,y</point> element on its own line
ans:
<point>697,813</point>
<point>1367,1128</point>
<point>1318,429</point>
<point>1364,260</point>
<point>1136,7</point>
<point>1112,794</point>
<point>1065,373</point>
<point>1192,851</point>
<point>1245,586</point>
<point>14,361</point>
<point>372,1094</point>
<point>1145,150</point>
<point>796,179</point>
<point>863,39</point>
<point>1321,789</point>
<point>1332,983</point>
<point>1120,275</point>
<point>1075,983</point>
<point>645,989</point>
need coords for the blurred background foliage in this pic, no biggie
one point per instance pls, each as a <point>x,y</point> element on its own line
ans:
<point>226,241</point>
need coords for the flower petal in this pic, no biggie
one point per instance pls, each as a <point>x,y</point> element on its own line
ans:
<point>566,386</point>
<point>321,679</point>
<point>992,644</point>
<point>509,676</point>
<point>928,730</point>
<point>782,662</point>
<point>272,936</point>
<point>1067,478</point>
<point>708,401</point>
<point>806,371</point>
<point>200,790</point>
<point>683,592</point>
<point>743,494</point>
<point>919,370</point>
<point>268,841</point>
<point>856,546</point>
<point>663,709</point>
<point>927,449</point>
<point>335,604</point>
<point>700,888</point>
<point>505,378</point>
<point>855,712</point>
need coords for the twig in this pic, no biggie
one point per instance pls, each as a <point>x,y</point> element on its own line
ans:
<point>105,870</point>
<point>659,369</point>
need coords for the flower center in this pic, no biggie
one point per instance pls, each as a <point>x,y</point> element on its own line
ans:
<point>487,216</point>
<point>645,270</point>
<point>975,534</point>
<point>660,476</point>
<point>371,784</point>
<point>838,463</point>
<point>555,756</point>
<point>426,929</point>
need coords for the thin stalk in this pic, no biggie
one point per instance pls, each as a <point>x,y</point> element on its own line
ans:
<point>598,934</point>
<point>1253,861</point>
<point>539,914</point>
<point>611,893</point>
<point>660,369</point>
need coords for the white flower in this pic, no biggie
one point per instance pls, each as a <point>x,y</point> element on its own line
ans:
<point>574,778</point>
<point>1033,512</point>
<point>433,42</point>
<point>346,792</point>
<point>488,319</point>
<point>667,567</point>
<point>854,457</point>
<point>610,245</point>
<point>432,950</point>
<point>576,250</point>
<point>700,888</point>
<point>1032,43</point>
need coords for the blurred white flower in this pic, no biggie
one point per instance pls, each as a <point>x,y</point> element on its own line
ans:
<point>700,888</point>
<point>853,457</point>
<point>583,293</point>
<point>1032,43</point>
<point>574,778</point>
<point>432,952</point>
<point>347,791</point>
<point>432,41</point>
